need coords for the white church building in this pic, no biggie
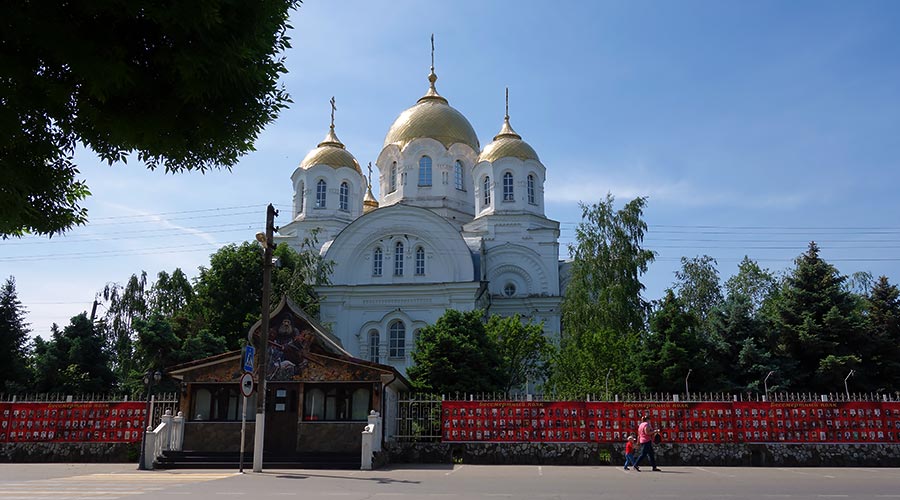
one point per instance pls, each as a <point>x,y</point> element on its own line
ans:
<point>457,226</point>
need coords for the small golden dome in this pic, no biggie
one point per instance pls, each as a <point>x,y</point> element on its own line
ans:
<point>434,118</point>
<point>369,201</point>
<point>507,143</point>
<point>330,152</point>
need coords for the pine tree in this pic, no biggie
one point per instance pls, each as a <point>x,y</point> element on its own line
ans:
<point>883,332</point>
<point>13,340</point>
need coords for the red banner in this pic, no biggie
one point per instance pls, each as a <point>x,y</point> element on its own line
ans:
<point>717,422</point>
<point>119,422</point>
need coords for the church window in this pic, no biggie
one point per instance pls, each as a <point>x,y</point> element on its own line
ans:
<point>321,189</point>
<point>458,175</point>
<point>508,187</point>
<point>425,171</point>
<point>398,259</point>
<point>397,340</point>
<point>487,191</point>
<point>420,261</point>
<point>393,178</point>
<point>345,193</point>
<point>374,340</point>
<point>377,258</point>
<point>531,189</point>
<point>509,290</point>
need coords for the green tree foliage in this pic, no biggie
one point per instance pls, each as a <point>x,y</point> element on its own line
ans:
<point>229,291</point>
<point>819,326</point>
<point>456,355</point>
<point>882,344</point>
<point>673,346</point>
<point>697,285</point>
<point>125,304</point>
<point>603,310</point>
<point>524,350</point>
<point>751,282</point>
<point>13,340</point>
<point>185,85</point>
<point>74,361</point>
<point>171,294</point>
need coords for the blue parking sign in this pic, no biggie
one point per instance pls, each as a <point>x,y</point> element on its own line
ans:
<point>249,352</point>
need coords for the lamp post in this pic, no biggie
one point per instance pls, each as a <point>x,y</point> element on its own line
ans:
<point>846,390</point>
<point>766,383</point>
<point>687,392</point>
<point>607,383</point>
<point>149,378</point>
<point>261,365</point>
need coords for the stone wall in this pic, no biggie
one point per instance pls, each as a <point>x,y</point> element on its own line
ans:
<point>742,455</point>
<point>217,436</point>
<point>69,452</point>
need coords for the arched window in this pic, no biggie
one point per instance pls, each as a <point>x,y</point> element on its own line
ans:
<point>301,196</point>
<point>377,258</point>
<point>344,198</point>
<point>392,180</point>
<point>487,191</point>
<point>509,290</point>
<point>531,189</point>
<point>398,259</point>
<point>425,171</point>
<point>321,189</point>
<point>420,261</point>
<point>374,340</point>
<point>508,187</point>
<point>458,176</point>
<point>397,348</point>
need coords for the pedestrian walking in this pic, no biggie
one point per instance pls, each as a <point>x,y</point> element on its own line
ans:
<point>645,438</point>
<point>629,451</point>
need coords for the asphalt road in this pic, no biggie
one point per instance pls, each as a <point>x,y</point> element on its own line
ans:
<point>460,482</point>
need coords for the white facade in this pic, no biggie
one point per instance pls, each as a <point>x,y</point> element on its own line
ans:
<point>456,227</point>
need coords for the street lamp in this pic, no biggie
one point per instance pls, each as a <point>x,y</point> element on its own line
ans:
<point>846,390</point>
<point>150,378</point>
<point>766,383</point>
<point>607,383</point>
<point>687,392</point>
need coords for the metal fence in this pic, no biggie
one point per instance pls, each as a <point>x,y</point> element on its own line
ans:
<point>419,415</point>
<point>159,403</point>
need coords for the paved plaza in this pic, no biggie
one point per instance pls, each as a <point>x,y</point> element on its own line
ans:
<point>459,482</point>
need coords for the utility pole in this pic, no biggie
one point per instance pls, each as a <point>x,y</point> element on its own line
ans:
<point>261,365</point>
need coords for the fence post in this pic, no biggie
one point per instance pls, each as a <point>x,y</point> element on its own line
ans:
<point>166,434</point>
<point>178,432</point>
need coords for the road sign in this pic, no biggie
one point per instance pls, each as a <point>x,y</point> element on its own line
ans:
<point>247,384</point>
<point>249,352</point>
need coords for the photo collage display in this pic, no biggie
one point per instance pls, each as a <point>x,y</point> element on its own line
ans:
<point>72,422</point>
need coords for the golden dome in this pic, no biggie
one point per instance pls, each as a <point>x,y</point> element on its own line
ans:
<point>507,143</point>
<point>369,201</point>
<point>434,118</point>
<point>330,152</point>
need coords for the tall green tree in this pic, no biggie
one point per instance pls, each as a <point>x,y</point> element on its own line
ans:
<point>74,361</point>
<point>456,355</point>
<point>184,85</point>
<point>171,294</point>
<point>524,350</point>
<point>229,291</point>
<point>124,304</point>
<point>819,327</point>
<point>752,282</point>
<point>14,332</point>
<point>603,310</point>
<point>882,345</point>
<point>697,285</point>
<point>672,347</point>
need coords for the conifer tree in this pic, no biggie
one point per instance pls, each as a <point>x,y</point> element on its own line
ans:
<point>13,340</point>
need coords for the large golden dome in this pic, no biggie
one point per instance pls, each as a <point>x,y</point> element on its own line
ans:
<point>330,152</point>
<point>507,143</point>
<point>434,118</point>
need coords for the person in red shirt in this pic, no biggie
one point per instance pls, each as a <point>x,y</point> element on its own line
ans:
<point>645,438</point>
<point>629,451</point>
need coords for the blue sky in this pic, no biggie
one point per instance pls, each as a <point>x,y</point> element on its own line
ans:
<point>753,128</point>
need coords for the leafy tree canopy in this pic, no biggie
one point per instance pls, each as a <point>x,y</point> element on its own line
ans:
<point>456,355</point>
<point>524,350</point>
<point>185,85</point>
